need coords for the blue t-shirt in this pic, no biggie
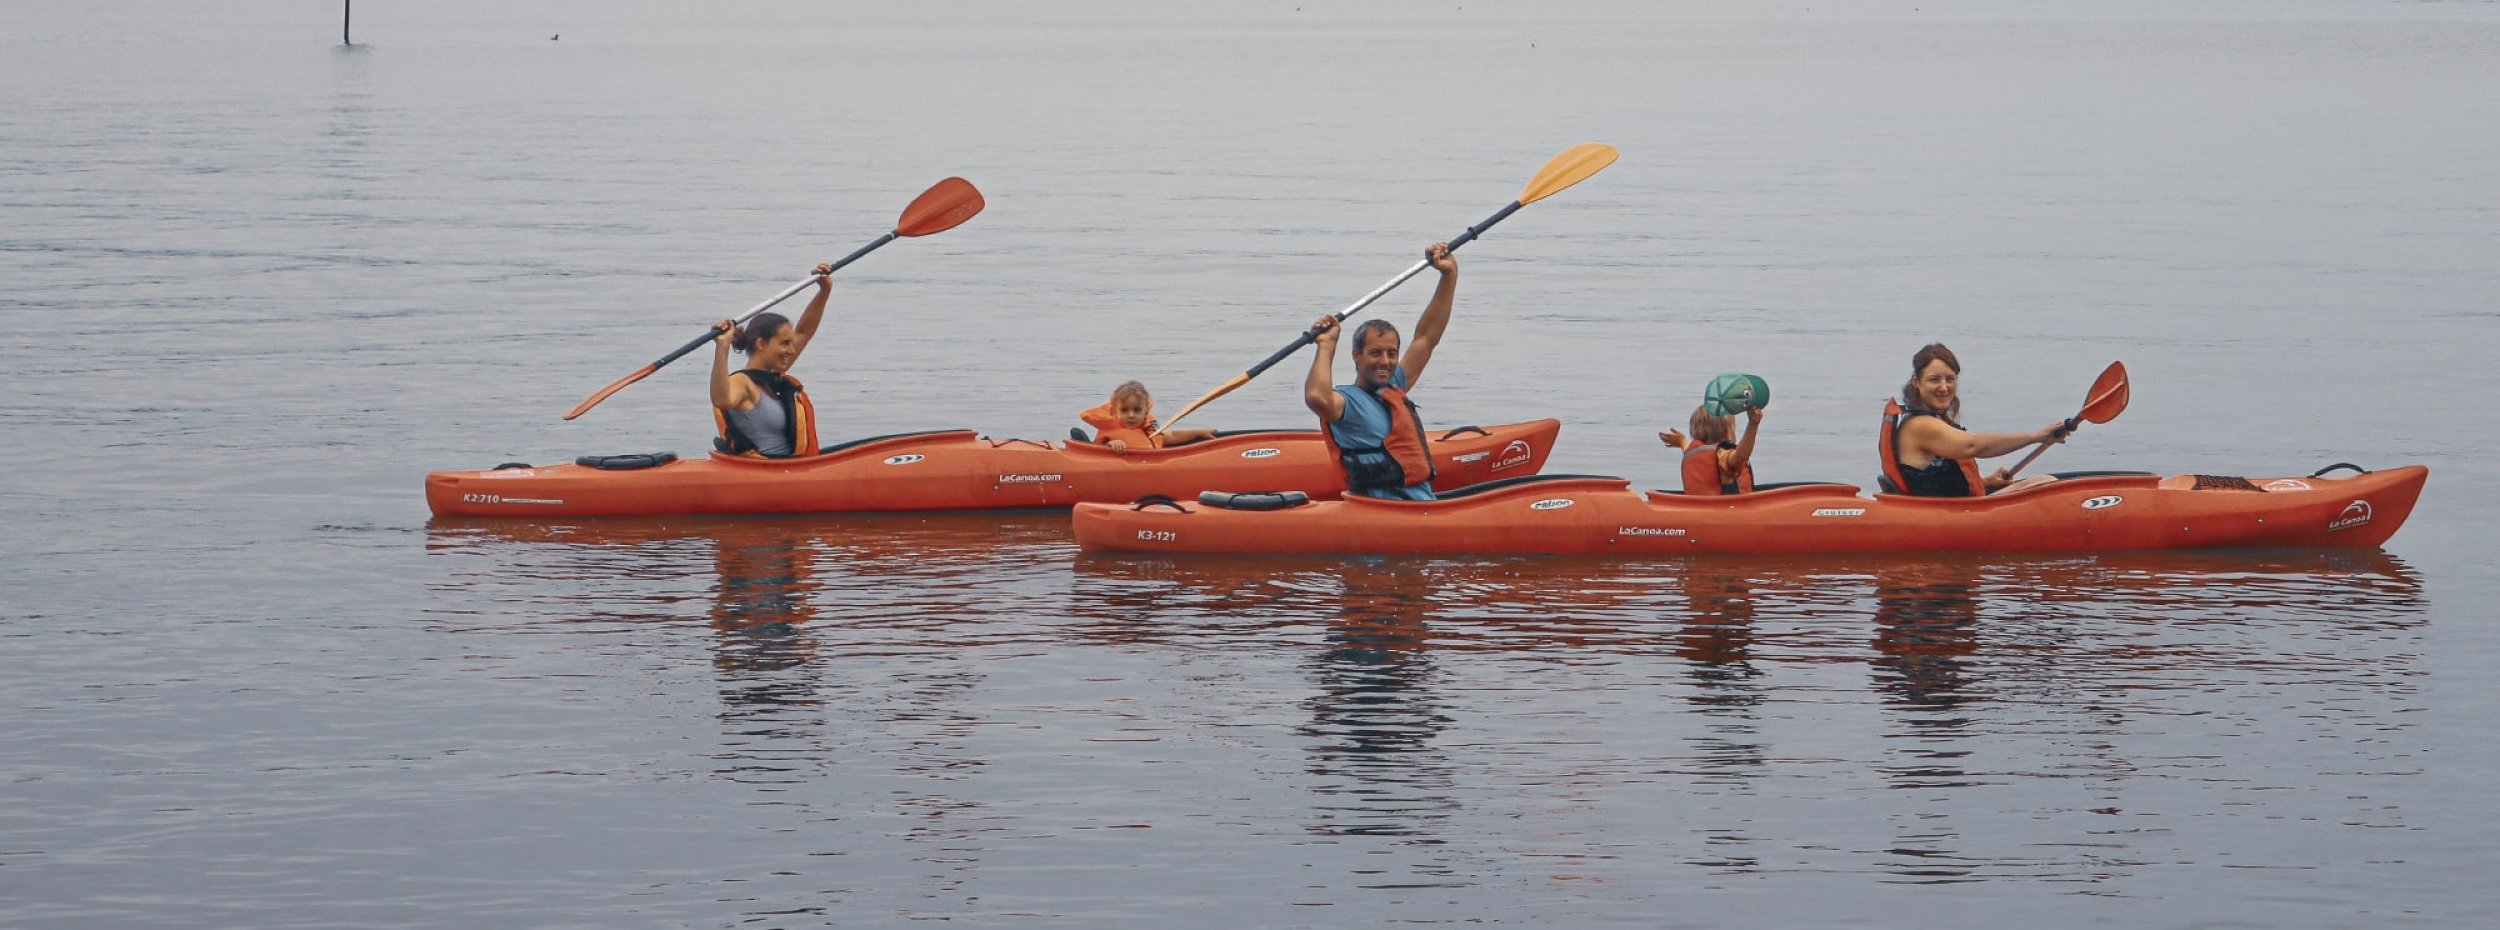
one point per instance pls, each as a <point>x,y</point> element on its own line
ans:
<point>1365,424</point>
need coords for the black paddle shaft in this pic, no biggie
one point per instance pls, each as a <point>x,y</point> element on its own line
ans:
<point>1478,229</point>
<point>713,332</point>
<point>1312,334</point>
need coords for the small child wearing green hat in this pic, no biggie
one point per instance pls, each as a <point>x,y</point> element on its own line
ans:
<point>1712,464</point>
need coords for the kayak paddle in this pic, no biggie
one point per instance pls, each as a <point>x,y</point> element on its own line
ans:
<point>2107,400</point>
<point>945,205</point>
<point>1571,167</point>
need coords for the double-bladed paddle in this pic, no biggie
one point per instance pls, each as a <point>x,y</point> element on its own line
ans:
<point>945,205</point>
<point>2107,399</point>
<point>1571,167</point>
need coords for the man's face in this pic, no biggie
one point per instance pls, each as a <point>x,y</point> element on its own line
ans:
<point>1376,359</point>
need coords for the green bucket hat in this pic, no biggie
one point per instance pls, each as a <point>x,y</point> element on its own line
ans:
<point>1734,393</point>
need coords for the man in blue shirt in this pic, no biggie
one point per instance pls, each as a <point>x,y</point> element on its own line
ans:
<point>1372,426</point>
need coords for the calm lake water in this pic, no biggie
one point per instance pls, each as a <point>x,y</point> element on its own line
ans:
<point>254,285</point>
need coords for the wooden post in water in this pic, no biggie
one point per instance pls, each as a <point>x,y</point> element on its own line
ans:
<point>347,15</point>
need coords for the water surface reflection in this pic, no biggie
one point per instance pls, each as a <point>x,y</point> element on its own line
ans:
<point>2057,689</point>
<point>1373,713</point>
<point>985,690</point>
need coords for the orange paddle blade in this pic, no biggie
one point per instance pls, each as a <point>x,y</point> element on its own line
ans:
<point>602,394</point>
<point>2109,395</point>
<point>1571,167</point>
<point>945,205</point>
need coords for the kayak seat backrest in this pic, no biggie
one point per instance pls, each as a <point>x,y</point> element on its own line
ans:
<point>1076,434</point>
<point>1884,484</point>
<point>1500,483</point>
<point>626,462</point>
<point>1253,500</point>
<point>837,447</point>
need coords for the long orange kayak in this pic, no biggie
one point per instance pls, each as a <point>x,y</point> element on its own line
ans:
<point>1588,514</point>
<point>956,470</point>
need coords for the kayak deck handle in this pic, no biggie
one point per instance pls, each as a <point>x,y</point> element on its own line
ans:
<point>1157,500</point>
<point>2356,469</point>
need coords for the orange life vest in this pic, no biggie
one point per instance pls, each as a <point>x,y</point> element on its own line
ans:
<point>793,397</point>
<point>1403,459</point>
<point>1888,444</point>
<point>1107,427</point>
<point>1703,476</point>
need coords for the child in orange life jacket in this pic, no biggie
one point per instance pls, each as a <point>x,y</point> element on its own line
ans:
<point>1712,464</point>
<point>1126,421</point>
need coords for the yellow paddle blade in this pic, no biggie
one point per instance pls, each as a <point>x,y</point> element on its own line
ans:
<point>1571,167</point>
<point>1238,380</point>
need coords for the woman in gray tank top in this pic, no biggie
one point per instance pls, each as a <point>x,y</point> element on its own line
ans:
<point>761,408</point>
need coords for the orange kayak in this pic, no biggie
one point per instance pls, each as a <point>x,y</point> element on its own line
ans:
<point>956,470</point>
<point>1587,514</point>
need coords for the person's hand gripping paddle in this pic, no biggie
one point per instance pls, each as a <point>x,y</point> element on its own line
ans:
<point>944,206</point>
<point>2106,401</point>
<point>1571,167</point>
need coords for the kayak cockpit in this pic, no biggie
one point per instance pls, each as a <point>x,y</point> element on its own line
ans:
<point>852,449</point>
<point>1780,491</point>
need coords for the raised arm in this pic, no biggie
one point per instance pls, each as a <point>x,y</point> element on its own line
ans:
<point>1436,316</point>
<point>728,393</point>
<point>815,314</point>
<point>1319,390</point>
<point>1737,457</point>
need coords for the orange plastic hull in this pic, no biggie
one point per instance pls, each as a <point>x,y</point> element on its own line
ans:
<point>961,470</point>
<point>1576,514</point>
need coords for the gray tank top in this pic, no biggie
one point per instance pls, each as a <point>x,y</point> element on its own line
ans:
<point>767,425</point>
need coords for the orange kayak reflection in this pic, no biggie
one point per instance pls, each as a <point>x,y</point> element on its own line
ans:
<point>922,580</point>
<point>1387,687</point>
<point>1411,667</point>
<point>1711,610</point>
<point>771,586</point>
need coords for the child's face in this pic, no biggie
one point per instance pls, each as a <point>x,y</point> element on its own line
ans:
<point>1133,411</point>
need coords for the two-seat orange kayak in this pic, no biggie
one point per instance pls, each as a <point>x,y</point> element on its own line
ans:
<point>956,470</point>
<point>1587,514</point>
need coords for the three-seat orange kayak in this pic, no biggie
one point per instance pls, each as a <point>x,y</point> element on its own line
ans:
<point>1588,514</point>
<point>956,470</point>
